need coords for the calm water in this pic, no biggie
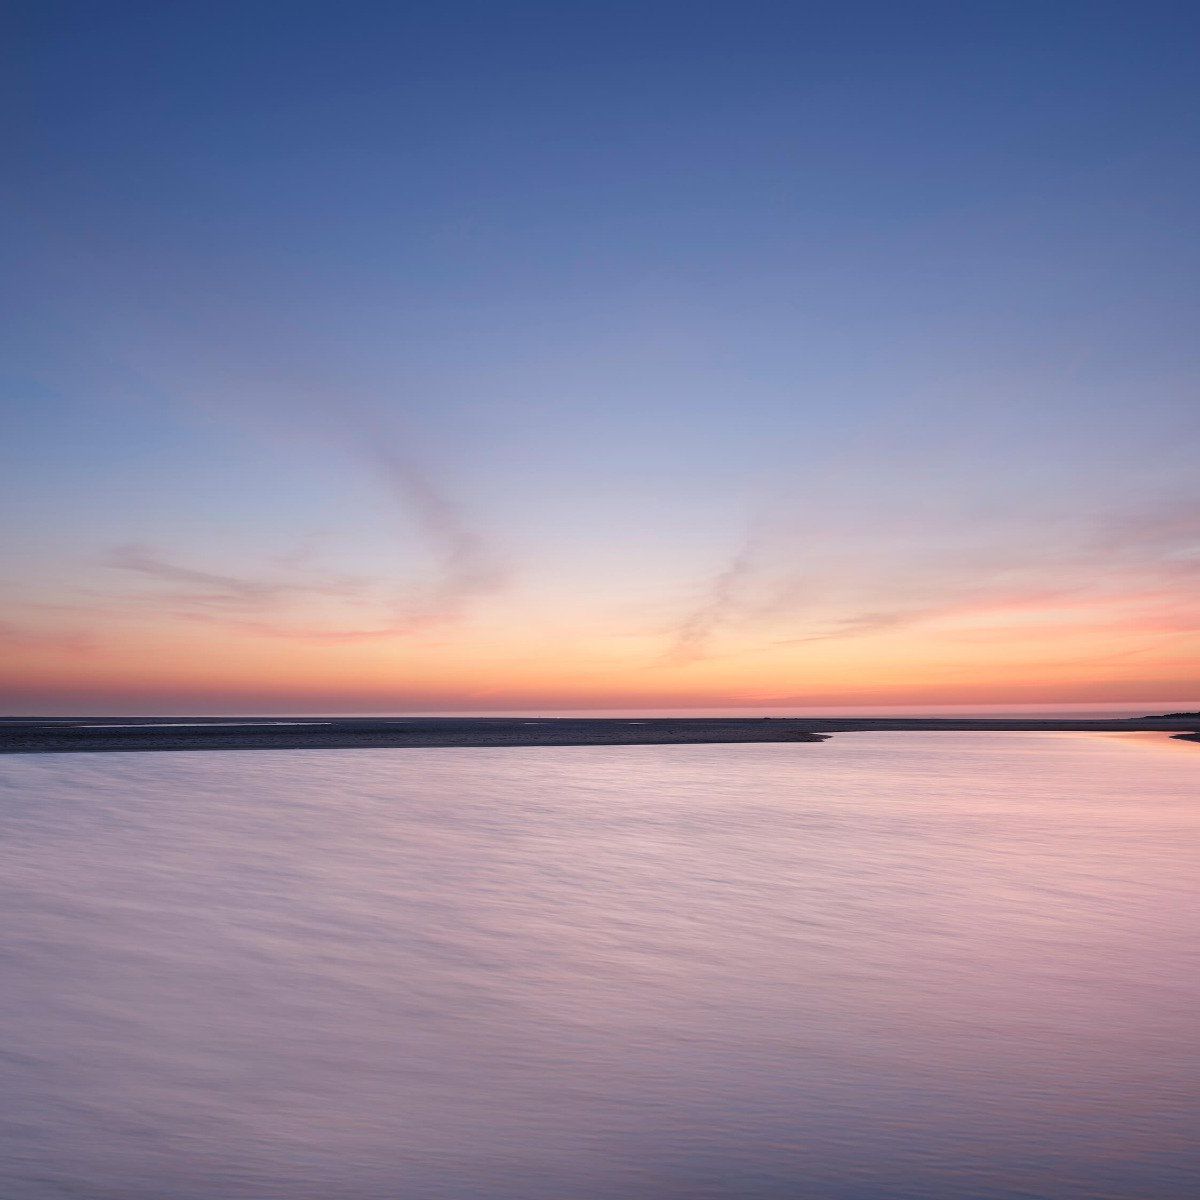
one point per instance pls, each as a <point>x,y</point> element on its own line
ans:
<point>892,965</point>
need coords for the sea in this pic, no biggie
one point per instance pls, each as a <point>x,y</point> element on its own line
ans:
<point>889,965</point>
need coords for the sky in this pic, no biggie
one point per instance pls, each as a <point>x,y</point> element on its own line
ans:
<point>488,356</point>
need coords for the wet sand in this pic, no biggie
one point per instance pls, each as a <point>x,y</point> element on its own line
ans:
<point>124,734</point>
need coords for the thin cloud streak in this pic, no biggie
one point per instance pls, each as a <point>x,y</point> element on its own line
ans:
<point>467,570</point>
<point>720,601</point>
<point>220,589</point>
<point>1114,562</point>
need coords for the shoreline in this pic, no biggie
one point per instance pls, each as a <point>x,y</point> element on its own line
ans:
<point>136,734</point>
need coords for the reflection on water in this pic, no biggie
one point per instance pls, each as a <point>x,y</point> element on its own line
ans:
<point>892,965</point>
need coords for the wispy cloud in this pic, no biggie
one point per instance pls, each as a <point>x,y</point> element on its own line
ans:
<point>720,600</point>
<point>468,566</point>
<point>1126,569</point>
<point>279,603</point>
<point>204,587</point>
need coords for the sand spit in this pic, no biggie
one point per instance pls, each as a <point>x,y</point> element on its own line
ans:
<point>124,734</point>
<point>220,734</point>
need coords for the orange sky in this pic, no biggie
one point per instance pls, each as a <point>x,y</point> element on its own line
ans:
<point>1005,653</point>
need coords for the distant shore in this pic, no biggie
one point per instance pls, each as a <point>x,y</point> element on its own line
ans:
<point>127,734</point>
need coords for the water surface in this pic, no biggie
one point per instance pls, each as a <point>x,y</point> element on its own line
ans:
<point>891,965</point>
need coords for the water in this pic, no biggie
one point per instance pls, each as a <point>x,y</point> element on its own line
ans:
<point>891,965</point>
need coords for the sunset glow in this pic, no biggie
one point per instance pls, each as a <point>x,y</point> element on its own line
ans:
<point>529,371</point>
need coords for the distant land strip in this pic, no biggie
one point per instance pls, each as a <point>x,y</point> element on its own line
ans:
<point>75,735</point>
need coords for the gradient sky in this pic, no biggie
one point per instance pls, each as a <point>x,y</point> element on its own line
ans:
<point>483,356</point>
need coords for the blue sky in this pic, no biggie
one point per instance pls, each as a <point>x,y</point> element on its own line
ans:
<point>857,313</point>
